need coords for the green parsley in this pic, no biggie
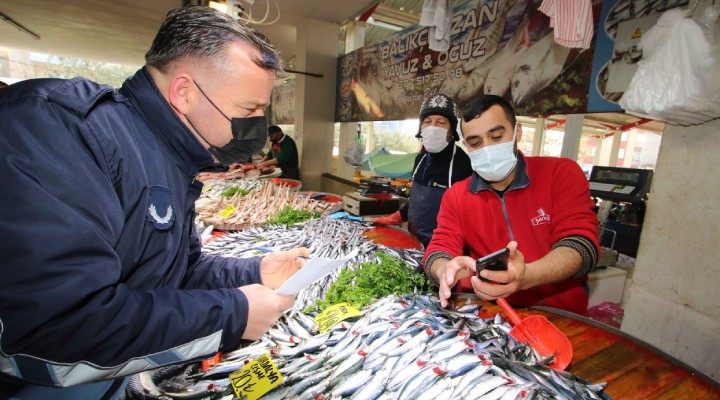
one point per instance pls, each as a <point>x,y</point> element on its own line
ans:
<point>291,216</point>
<point>233,190</point>
<point>370,281</point>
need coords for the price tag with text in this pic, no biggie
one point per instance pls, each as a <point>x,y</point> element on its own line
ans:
<point>206,189</point>
<point>255,378</point>
<point>227,211</point>
<point>334,314</point>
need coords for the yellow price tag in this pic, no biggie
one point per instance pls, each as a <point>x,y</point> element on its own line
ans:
<point>334,314</point>
<point>228,211</point>
<point>255,378</point>
<point>206,188</point>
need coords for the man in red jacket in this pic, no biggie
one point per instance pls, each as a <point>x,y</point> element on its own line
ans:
<point>538,207</point>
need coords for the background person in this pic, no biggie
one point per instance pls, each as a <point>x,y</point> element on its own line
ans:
<point>102,271</point>
<point>538,207</point>
<point>439,165</point>
<point>282,153</point>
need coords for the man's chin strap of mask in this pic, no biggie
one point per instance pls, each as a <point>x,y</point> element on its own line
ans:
<point>248,137</point>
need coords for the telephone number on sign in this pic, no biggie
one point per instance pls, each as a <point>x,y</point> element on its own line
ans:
<point>432,79</point>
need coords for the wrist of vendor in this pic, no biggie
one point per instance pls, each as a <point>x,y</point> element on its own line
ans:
<point>430,260</point>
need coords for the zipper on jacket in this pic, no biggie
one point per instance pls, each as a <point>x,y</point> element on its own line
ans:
<point>505,215</point>
<point>512,237</point>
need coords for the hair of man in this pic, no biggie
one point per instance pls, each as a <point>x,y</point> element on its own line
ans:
<point>202,32</point>
<point>478,105</point>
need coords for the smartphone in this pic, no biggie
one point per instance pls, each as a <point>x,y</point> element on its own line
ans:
<point>496,261</point>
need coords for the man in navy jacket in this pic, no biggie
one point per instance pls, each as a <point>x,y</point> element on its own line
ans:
<point>102,273</point>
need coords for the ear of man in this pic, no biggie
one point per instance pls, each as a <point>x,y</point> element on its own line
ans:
<point>180,93</point>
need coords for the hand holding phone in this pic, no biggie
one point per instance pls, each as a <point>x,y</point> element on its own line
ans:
<point>496,261</point>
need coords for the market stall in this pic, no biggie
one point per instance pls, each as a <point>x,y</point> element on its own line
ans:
<point>373,328</point>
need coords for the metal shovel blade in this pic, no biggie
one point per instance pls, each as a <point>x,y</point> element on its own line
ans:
<point>542,336</point>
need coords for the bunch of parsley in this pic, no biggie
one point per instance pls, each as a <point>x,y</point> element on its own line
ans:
<point>233,190</point>
<point>369,281</point>
<point>291,216</point>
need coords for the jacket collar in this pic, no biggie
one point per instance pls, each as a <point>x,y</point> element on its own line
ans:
<point>521,180</point>
<point>190,154</point>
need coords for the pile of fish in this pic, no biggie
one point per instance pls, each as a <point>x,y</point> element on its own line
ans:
<point>399,348</point>
<point>252,209</point>
<point>213,190</point>
<point>324,238</point>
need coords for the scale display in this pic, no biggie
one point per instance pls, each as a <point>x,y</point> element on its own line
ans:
<point>620,184</point>
<point>374,185</point>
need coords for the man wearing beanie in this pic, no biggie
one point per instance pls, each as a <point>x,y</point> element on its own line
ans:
<point>283,153</point>
<point>439,164</point>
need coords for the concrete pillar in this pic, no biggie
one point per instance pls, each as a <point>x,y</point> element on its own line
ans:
<point>673,301</point>
<point>354,39</point>
<point>573,133</point>
<point>615,149</point>
<point>539,138</point>
<point>315,98</point>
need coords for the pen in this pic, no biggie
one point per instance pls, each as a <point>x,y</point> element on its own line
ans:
<point>269,250</point>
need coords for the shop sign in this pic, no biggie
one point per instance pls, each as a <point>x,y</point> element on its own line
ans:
<point>497,47</point>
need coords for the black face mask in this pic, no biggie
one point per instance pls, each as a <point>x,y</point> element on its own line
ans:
<point>248,137</point>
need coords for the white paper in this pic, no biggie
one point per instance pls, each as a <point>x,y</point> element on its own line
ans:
<point>313,270</point>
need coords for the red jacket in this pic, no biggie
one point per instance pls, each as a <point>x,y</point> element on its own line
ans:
<point>548,201</point>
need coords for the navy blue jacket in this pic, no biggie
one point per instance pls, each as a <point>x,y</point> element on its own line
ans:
<point>431,169</point>
<point>101,271</point>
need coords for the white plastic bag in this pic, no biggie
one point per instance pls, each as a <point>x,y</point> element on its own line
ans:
<point>677,79</point>
<point>355,152</point>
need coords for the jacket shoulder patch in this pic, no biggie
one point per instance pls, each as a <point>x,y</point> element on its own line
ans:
<point>160,208</point>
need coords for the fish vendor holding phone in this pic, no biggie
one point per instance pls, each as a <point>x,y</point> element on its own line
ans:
<point>537,207</point>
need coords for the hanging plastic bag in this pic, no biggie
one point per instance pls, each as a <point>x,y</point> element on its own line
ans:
<point>355,151</point>
<point>607,313</point>
<point>677,79</point>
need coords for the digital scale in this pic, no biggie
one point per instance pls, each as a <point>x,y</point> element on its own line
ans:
<point>615,184</point>
<point>620,184</point>
<point>370,204</point>
<point>375,185</point>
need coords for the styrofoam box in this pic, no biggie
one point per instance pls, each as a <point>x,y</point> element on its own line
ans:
<point>606,285</point>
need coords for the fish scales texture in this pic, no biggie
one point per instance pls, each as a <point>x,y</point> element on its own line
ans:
<point>468,356</point>
<point>502,369</point>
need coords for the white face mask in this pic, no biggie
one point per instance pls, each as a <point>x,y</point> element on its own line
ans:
<point>495,163</point>
<point>434,138</point>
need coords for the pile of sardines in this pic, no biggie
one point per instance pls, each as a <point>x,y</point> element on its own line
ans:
<point>399,348</point>
<point>324,238</point>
